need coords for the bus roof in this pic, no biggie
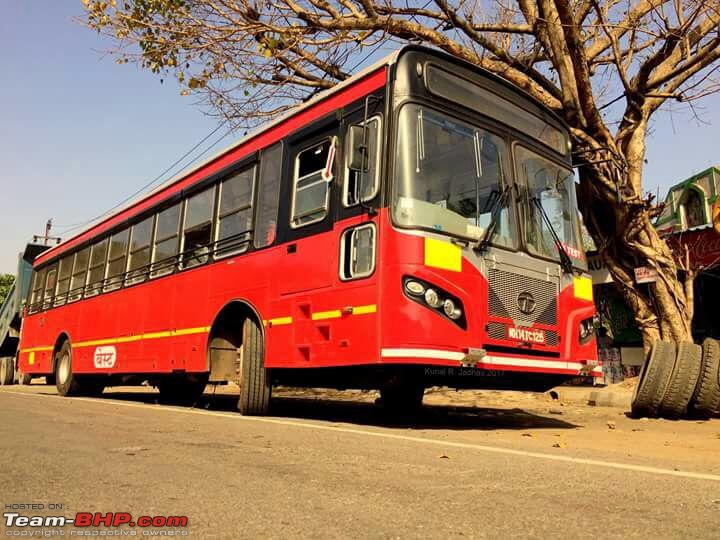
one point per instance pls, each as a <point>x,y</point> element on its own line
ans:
<point>366,80</point>
<point>101,224</point>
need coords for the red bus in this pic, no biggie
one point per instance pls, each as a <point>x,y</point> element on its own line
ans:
<point>416,225</point>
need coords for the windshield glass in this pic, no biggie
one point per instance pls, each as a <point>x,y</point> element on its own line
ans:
<point>449,175</point>
<point>553,187</point>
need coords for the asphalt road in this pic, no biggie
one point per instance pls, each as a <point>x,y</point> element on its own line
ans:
<point>333,469</point>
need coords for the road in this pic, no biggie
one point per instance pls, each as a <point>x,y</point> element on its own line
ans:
<point>497,467</point>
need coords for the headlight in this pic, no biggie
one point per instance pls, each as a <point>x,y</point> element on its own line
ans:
<point>415,288</point>
<point>450,310</point>
<point>432,298</point>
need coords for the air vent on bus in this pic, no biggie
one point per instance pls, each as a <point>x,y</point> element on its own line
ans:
<point>504,288</point>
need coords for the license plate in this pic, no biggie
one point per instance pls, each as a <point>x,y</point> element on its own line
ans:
<point>527,335</point>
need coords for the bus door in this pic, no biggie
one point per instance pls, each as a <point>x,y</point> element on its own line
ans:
<point>310,255</point>
<point>355,332</point>
<point>308,260</point>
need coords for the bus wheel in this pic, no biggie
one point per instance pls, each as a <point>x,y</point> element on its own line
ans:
<point>255,388</point>
<point>50,379</point>
<point>66,383</point>
<point>25,378</point>
<point>7,371</point>
<point>402,397</point>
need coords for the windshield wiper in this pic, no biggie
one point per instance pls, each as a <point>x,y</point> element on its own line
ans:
<point>495,207</point>
<point>565,261</point>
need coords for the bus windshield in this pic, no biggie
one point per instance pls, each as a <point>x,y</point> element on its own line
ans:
<point>550,190</point>
<point>449,176</point>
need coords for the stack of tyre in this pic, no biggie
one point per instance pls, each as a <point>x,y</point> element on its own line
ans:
<point>679,380</point>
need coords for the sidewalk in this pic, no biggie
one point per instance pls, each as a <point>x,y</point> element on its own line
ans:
<point>614,395</point>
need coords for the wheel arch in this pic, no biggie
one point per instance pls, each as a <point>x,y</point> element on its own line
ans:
<point>228,325</point>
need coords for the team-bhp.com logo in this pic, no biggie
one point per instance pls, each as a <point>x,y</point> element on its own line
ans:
<point>97,519</point>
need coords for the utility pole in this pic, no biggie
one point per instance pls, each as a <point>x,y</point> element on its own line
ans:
<point>46,238</point>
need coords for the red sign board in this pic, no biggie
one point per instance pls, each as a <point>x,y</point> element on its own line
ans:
<point>703,247</point>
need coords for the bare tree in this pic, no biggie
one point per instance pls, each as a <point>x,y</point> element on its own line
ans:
<point>606,66</point>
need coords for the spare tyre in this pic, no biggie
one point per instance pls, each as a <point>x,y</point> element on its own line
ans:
<point>654,378</point>
<point>706,399</point>
<point>7,371</point>
<point>683,380</point>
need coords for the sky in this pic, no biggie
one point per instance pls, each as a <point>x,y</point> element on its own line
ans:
<point>79,133</point>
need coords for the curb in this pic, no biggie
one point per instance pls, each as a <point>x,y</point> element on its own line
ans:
<point>594,397</point>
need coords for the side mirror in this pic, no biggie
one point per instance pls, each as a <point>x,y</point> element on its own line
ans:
<point>357,152</point>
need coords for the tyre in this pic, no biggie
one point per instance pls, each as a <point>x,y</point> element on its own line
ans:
<point>654,379</point>
<point>67,383</point>
<point>25,378</point>
<point>255,387</point>
<point>50,379</point>
<point>706,399</point>
<point>7,371</point>
<point>683,380</point>
<point>183,391</point>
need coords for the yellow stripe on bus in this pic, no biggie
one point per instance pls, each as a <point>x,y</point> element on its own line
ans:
<point>36,349</point>
<point>364,310</point>
<point>279,321</point>
<point>322,315</point>
<point>139,337</point>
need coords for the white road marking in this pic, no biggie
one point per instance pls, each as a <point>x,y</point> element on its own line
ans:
<point>394,436</point>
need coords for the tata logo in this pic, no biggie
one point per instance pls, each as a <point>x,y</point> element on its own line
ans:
<point>526,303</point>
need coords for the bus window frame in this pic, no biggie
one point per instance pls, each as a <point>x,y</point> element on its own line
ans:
<point>141,273</point>
<point>119,278</point>
<point>219,252</point>
<point>80,289</point>
<point>537,149</point>
<point>47,301</point>
<point>262,164</point>
<point>62,297</point>
<point>88,292</point>
<point>329,165</point>
<point>208,255</point>
<point>170,263</point>
<point>378,161</point>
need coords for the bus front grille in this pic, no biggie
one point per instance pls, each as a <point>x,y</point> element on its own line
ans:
<point>505,290</point>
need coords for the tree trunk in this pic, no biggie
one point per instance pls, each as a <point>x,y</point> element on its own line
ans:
<point>620,222</point>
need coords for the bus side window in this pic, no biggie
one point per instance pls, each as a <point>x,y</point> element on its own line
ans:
<point>117,259</point>
<point>166,245</point>
<point>139,262</point>
<point>63,281</point>
<point>79,274</point>
<point>197,228</point>
<point>234,225</point>
<point>311,183</point>
<point>357,252</point>
<point>50,283</point>
<point>37,291</point>
<point>364,185</point>
<point>96,273</point>
<point>268,196</point>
